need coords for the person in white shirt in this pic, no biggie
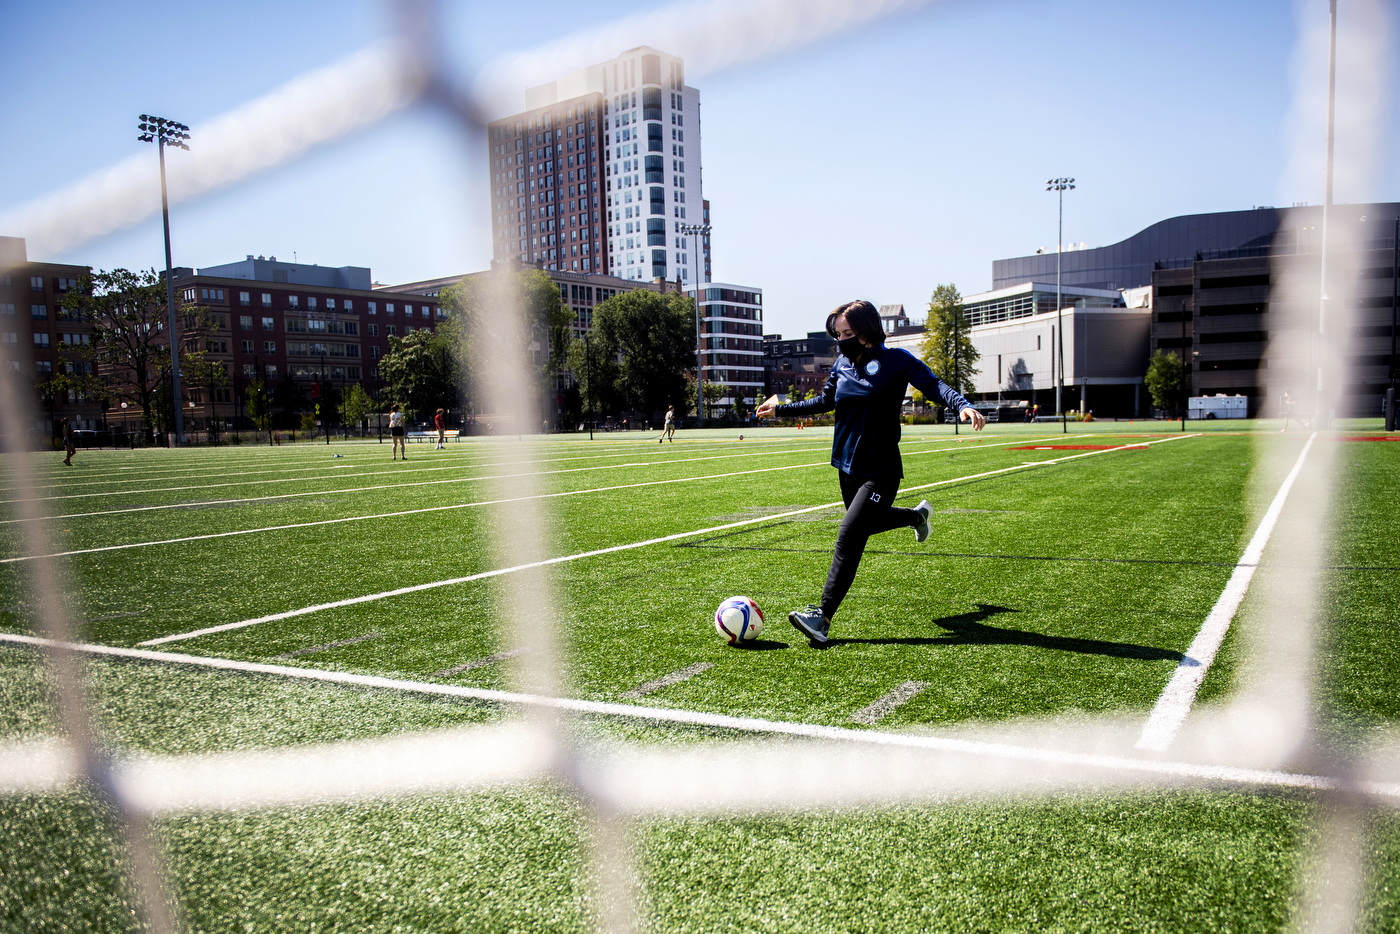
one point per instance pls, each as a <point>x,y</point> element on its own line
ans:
<point>669,429</point>
<point>396,430</point>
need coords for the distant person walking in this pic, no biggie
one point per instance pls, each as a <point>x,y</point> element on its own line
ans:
<point>669,429</point>
<point>440,423</point>
<point>397,432</point>
<point>68,448</point>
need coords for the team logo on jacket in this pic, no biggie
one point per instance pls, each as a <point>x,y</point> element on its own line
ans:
<point>872,368</point>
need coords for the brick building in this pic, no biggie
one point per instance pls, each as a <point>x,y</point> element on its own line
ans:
<point>35,332</point>
<point>290,322</point>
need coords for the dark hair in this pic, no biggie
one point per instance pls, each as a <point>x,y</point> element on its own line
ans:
<point>394,407</point>
<point>864,319</point>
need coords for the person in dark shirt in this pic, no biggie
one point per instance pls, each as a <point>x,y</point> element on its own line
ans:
<point>866,388</point>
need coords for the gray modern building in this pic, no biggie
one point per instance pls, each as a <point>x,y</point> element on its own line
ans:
<point>1180,241</point>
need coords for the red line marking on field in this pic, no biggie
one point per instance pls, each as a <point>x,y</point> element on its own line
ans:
<point>1371,438</point>
<point>1079,447</point>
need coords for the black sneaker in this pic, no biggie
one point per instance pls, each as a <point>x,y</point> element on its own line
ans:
<point>810,622</point>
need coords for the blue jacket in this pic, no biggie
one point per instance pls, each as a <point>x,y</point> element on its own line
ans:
<point>867,399</point>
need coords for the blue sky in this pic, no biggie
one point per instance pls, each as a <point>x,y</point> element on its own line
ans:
<point>876,164</point>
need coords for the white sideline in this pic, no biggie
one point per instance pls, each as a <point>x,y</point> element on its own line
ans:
<point>357,489</point>
<point>426,509</point>
<point>327,474</point>
<point>1180,693</point>
<point>471,459</point>
<point>398,486</point>
<point>431,585</point>
<point>1167,768</point>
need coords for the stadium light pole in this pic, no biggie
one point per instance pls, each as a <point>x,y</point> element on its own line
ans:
<point>588,370</point>
<point>698,230</point>
<point>1060,185</point>
<point>164,133</point>
<point>1394,323</point>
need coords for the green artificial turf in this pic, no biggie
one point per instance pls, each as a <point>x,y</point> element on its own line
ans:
<point>1059,589</point>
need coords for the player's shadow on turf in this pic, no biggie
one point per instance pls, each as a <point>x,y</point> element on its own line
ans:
<point>968,629</point>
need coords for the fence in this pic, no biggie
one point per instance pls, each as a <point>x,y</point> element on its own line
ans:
<point>1255,741</point>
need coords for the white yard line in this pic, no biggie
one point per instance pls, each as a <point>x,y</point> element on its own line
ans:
<point>425,509</point>
<point>1207,773</point>
<point>562,559</point>
<point>470,458</point>
<point>408,512</point>
<point>327,646</point>
<point>477,663</point>
<point>882,708</point>
<point>371,473</point>
<point>1175,703</point>
<point>370,489</point>
<point>665,681</point>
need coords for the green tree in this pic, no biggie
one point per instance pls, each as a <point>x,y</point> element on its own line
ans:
<point>422,372</point>
<point>595,374</point>
<point>355,404</point>
<point>459,349</point>
<point>945,317</point>
<point>1166,380</point>
<point>650,336</point>
<point>130,347</point>
<point>259,404</point>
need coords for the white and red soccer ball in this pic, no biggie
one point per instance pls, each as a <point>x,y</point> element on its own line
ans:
<point>738,619</point>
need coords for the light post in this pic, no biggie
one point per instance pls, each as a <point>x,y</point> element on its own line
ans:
<point>588,369</point>
<point>164,133</point>
<point>699,230</point>
<point>1394,324</point>
<point>1060,185</point>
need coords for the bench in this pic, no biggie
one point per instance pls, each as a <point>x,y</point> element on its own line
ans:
<point>452,434</point>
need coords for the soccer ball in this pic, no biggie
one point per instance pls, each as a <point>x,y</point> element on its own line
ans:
<point>739,619</point>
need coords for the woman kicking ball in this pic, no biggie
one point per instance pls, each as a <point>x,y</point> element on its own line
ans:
<point>866,388</point>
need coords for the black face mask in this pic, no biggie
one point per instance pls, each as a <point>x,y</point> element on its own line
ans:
<point>850,347</point>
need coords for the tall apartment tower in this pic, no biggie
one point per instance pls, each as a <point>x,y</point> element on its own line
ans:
<point>592,176</point>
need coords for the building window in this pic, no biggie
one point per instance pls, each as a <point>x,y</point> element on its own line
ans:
<point>311,302</point>
<point>247,346</point>
<point>373,329</point>
<point>7,309</point>
<point>269,347</point>
<point>349,305</point>
<point>268,324</point>
<point>389,330</point>
<point>267,299</point>
<point>292,301</point>
<point>41,339</point>
<point>38,311</point>
<point>373,308</point>
<point>271,370</point>
<point>244,299</point>
<point>389,309</point>
<point>36,283</point>
<point>11,337</point>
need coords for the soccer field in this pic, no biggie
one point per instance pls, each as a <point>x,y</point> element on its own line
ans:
<point>1065,579</point>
